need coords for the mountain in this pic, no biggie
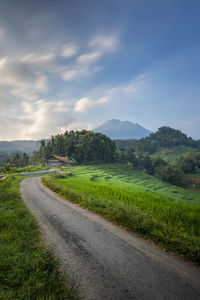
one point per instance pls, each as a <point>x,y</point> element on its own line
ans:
<point>19,146</point>
<point>117,129</point>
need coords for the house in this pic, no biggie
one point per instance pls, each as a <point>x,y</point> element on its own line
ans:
<point>57,161</point>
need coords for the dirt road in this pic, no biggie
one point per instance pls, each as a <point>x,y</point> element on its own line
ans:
<point>105,261</point>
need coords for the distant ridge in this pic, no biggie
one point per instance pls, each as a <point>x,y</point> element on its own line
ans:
<point>19,146</point>
<point>117,129</point>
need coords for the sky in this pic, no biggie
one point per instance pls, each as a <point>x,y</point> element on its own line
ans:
<point>74,64</point>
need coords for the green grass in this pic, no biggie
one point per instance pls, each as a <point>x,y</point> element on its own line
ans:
<point>137,201</point>
<point>28,270</point>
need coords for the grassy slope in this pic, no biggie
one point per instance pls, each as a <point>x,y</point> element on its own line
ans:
<point>27,269</point>
<point>120,195</point>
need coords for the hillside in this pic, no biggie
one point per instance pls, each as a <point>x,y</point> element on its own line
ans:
<point>164,138</point>
<point>19,146</point>
<point>116,129</point>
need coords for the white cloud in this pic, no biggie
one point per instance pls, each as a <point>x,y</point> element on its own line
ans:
<point>69,50</point>
<point>44,118</point>
<point>4,101</point>
<point>132,87</point>
<point>21,74</point>
<point>84,104</point>
<point>89,58</point>
<point>78,126</point>
<point>31,58</point>
<point>105,42</point>
<point>24,94</point>
<point>75,74</point>
<point>36,119</point>
<point>11,128</point>
<point>42,83</point>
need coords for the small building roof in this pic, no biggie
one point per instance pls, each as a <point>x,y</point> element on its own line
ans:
<point>60,158</point>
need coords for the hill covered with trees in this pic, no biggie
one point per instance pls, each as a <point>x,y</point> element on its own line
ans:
<point>81,146</point>
<point>165,137</point>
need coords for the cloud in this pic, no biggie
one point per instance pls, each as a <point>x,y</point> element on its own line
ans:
<point>78,72</point>
<point>31,58</point>
<point>45,118</point>
<point>105,42</point>
<point>75,73</point>
<point>24,94</point>
<point>82,67</point>
<point>84,104</point>
<point>78,126</point>
<point>5,102</point>
<point>42,83</point>
<point>69,50</point>
<point>11,128</point>
<point>89,58</point>
<point>132,87</point>
<point>37,119</point>
<point>21,74</point>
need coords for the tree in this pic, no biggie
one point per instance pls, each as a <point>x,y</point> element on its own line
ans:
<point>25,160</point>
<point>189,163</point>
<point>16,160</point>
<point>171,174</point>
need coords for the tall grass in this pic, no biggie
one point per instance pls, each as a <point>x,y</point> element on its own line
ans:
<point>173,225</point>
<point>28,270</point>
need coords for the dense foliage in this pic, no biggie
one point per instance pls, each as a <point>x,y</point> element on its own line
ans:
<point>17,160</point>
<point>189,163</point>
<point>82,146</point>
<point>156,166</point>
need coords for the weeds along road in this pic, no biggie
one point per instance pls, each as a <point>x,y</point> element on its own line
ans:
<point>103,260</point>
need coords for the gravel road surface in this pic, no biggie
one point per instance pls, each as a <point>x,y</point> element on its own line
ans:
<point>103,260</point>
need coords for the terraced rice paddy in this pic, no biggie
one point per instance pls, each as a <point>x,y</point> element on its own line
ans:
<point>120,176</point>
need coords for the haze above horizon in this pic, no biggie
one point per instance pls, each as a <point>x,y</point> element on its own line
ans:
<point>71,65</point>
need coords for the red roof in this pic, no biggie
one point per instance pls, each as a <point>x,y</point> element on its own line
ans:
<point>60,158</point>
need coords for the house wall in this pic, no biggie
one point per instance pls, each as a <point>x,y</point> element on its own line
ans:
<point>51,163</point>
<point>56,163</point>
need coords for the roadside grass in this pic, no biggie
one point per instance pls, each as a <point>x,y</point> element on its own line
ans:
<point>169,222</point>
<point>28,270</point>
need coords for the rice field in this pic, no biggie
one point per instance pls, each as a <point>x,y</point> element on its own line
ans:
<point>167,214</point>
<point>121,177</point>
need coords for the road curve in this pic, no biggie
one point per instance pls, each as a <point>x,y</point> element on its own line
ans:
<point>105,261</point>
